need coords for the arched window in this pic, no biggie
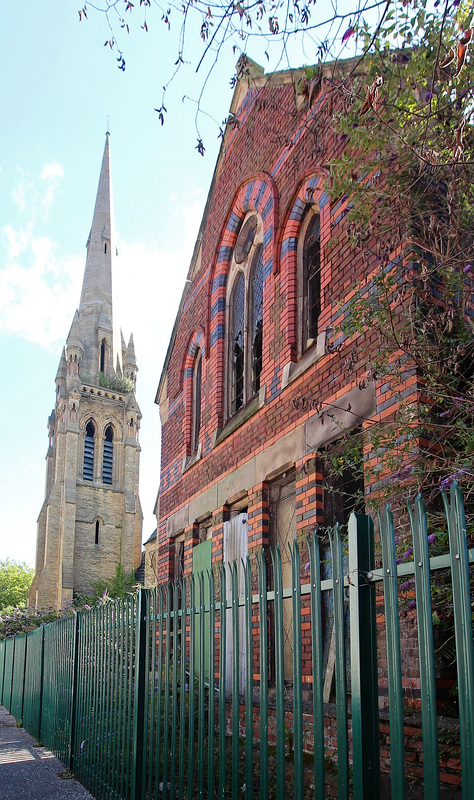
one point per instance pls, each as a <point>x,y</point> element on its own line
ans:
<point>102,355</point>
<point>245,316</point>
<point>257,318</point>
<point>238,343</point>
<point>197,379</point>
<point>311,279</point>
<point>108,459</point>
<point>88,467</point>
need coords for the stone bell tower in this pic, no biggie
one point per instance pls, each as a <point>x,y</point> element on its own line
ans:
<point>91,519</point>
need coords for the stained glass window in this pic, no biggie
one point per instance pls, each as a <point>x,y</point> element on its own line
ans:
<point>197,401</point>
<point>257,318</point>
<point>238,357</point>
<point>312,279</point>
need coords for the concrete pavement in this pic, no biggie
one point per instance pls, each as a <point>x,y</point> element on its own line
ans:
<point>29,772</point>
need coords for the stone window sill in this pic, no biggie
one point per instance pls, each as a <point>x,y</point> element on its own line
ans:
<point>293,369</point>
<point>189,461</point>
<point>254,405</point>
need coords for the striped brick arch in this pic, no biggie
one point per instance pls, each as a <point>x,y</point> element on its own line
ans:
<point>195,343</point>
<point>257,194</point>
<point>311,192</point>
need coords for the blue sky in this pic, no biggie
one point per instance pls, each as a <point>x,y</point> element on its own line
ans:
<point>59,87</point>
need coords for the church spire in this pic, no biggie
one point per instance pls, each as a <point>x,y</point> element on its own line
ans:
<point>97,284</point>
<point>101,343</point>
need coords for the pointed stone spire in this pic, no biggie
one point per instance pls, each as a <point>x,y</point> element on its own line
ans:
<point>97,284</point>
<point>99,340</point>
<point>130,357</point>
<point>74,339</point>
<point>130,362</point>
<point>62,369</point>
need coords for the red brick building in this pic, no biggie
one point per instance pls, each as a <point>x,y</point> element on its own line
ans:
<point>256,383</point>
<point>260,385</point>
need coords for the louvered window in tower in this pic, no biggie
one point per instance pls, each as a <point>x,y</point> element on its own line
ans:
<point>88,468</point>
<point>108,460</point>
<point>102,355</point>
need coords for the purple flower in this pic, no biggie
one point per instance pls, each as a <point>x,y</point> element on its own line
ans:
<point>448,481</point>
<point>412,604</point>
<point>349,32</point>
<point>431,538</point>
<point>186,687</point>
<point>88,607</point>
<point>428,96</point>
<point>407,552</point>
<point>467,268</point>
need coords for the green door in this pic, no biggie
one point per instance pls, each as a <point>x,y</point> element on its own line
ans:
<point>202,563</point>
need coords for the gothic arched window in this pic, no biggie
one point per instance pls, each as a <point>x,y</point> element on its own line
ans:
<point>256,325</point>
<point>102,355</point>
<point>237,343</point>
<point>197,400</point>
<point>310,274</point>
<point>245,316</point>
<point>88,466</point>
<point>108,458</point>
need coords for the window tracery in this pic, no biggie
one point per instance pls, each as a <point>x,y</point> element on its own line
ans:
<point>245,316</point>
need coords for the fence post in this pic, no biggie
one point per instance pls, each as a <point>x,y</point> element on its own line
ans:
<point>363,634</point>
<point>72,754</point>
<point>3,649</point>
<point>138,752</point>
<point>40,701</point>
<point>24,677</point>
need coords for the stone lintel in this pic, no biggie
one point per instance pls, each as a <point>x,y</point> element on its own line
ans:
<point>346,412</point>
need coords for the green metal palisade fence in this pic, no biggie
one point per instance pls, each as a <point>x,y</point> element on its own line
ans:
<point>122,694</point>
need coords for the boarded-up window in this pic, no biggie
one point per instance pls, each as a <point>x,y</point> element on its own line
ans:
<point>343,480</point>
<point>283,532</point>
<point>235,549</point>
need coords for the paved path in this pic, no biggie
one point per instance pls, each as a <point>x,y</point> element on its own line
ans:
<point>28,772</point>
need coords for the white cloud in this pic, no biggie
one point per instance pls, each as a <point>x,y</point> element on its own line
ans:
<point>19,193</point>
<point>52,170</point>
<point>51,175</point>
<point>16,240</point>
<point>37,295</point>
